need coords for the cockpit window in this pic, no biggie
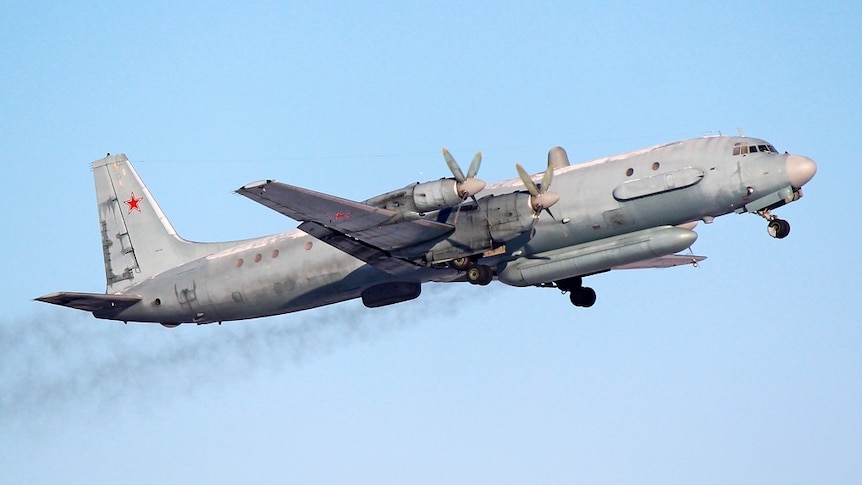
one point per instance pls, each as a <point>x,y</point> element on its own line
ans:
<point>740,149</point>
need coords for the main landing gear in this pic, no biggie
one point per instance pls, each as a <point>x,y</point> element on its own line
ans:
<point>579,295</point>
<point>777,228</point>
<point>477,274</point>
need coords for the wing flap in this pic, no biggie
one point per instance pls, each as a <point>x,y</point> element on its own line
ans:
<point>383,229</point>
<point>359,250</point>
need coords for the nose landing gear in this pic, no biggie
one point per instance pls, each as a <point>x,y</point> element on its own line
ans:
<point>777,228</point>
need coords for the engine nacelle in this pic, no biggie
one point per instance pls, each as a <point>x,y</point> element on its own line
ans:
<point>417,199</point>
<point>432,196</point>
<point>496,220</point>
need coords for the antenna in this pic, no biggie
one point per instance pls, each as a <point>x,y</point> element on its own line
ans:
<point>740,131</point>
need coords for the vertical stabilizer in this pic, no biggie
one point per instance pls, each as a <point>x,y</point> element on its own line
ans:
<point>137,239</point>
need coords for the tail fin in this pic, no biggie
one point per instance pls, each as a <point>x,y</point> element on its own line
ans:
<point>137,239</point>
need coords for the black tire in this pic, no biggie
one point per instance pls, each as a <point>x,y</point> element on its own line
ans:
<point>487,276</point>
<point>778,228</point>
<point>479,274</point>
<point>461,264</point>
<point>583,297</point>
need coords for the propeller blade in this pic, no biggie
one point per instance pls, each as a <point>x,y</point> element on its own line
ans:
<point>474,165</point>
<point>453,166</point>
<point>541,199</point>
<point>528,181</point>
<point>547,178</point>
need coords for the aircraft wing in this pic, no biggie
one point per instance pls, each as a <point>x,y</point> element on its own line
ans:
<point>373,256</point>
<point>668,261</point>
<point>367,232</point>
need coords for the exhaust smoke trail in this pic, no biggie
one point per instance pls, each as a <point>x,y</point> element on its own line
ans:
<point>59,363</point>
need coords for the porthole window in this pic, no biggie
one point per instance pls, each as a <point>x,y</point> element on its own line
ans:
<point>655,166</point>
<point>274,253</point>
<point>239,262</point>
<point>257,258</point>
<point>630,172</point>
<point>308,246</point>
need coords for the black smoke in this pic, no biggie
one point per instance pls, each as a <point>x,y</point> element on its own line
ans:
<point>61,361</point>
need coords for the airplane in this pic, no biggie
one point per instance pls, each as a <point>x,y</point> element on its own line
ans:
<point>627,211</point>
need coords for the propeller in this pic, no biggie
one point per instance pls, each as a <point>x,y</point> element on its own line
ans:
<point>540,198</point>
<point>469,185</point>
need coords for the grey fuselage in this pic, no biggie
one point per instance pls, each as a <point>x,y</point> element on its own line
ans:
<point>666,185</point>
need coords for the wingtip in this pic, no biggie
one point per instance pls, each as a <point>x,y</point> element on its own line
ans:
<point>256,185</point>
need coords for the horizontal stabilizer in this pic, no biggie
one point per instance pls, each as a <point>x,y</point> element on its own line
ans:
<point>91,302</point>
<point>668,261</point>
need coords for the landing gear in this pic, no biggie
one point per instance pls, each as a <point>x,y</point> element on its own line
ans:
<point>461,264</point>
<point>583,297</point>
<point>479,274</point>
<point>777,228</point>
<point>579,295</point>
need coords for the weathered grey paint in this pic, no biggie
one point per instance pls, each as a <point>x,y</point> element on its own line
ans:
<point>614,211</point>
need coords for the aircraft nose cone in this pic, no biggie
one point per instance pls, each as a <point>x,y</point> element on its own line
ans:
<point>800,170</point>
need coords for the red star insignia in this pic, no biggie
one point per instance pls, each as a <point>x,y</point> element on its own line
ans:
<point>341,215</point>
<point>133,203</point>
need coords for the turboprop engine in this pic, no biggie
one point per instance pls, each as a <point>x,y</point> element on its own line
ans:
<point>420,198</point>
<point>494,220</point>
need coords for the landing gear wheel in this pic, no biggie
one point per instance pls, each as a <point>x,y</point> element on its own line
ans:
<point>461,264</point>
<point>479,274</point>
<point>583,297</point>
<point>778,228</point>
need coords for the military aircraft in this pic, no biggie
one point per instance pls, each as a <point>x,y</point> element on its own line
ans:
<point>633,210</point>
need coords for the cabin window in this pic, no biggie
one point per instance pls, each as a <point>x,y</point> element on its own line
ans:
<point>655,166</point>
<point>630,172</point>
<point>239,262</point>
<point>257,257</point>
<point>274,253</point>
<point>308,246</point>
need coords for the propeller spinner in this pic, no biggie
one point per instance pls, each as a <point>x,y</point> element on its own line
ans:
<point>469,185</point>
<point>540,197</point>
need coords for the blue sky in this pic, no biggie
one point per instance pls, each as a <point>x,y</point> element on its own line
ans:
<point>744,370</point>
